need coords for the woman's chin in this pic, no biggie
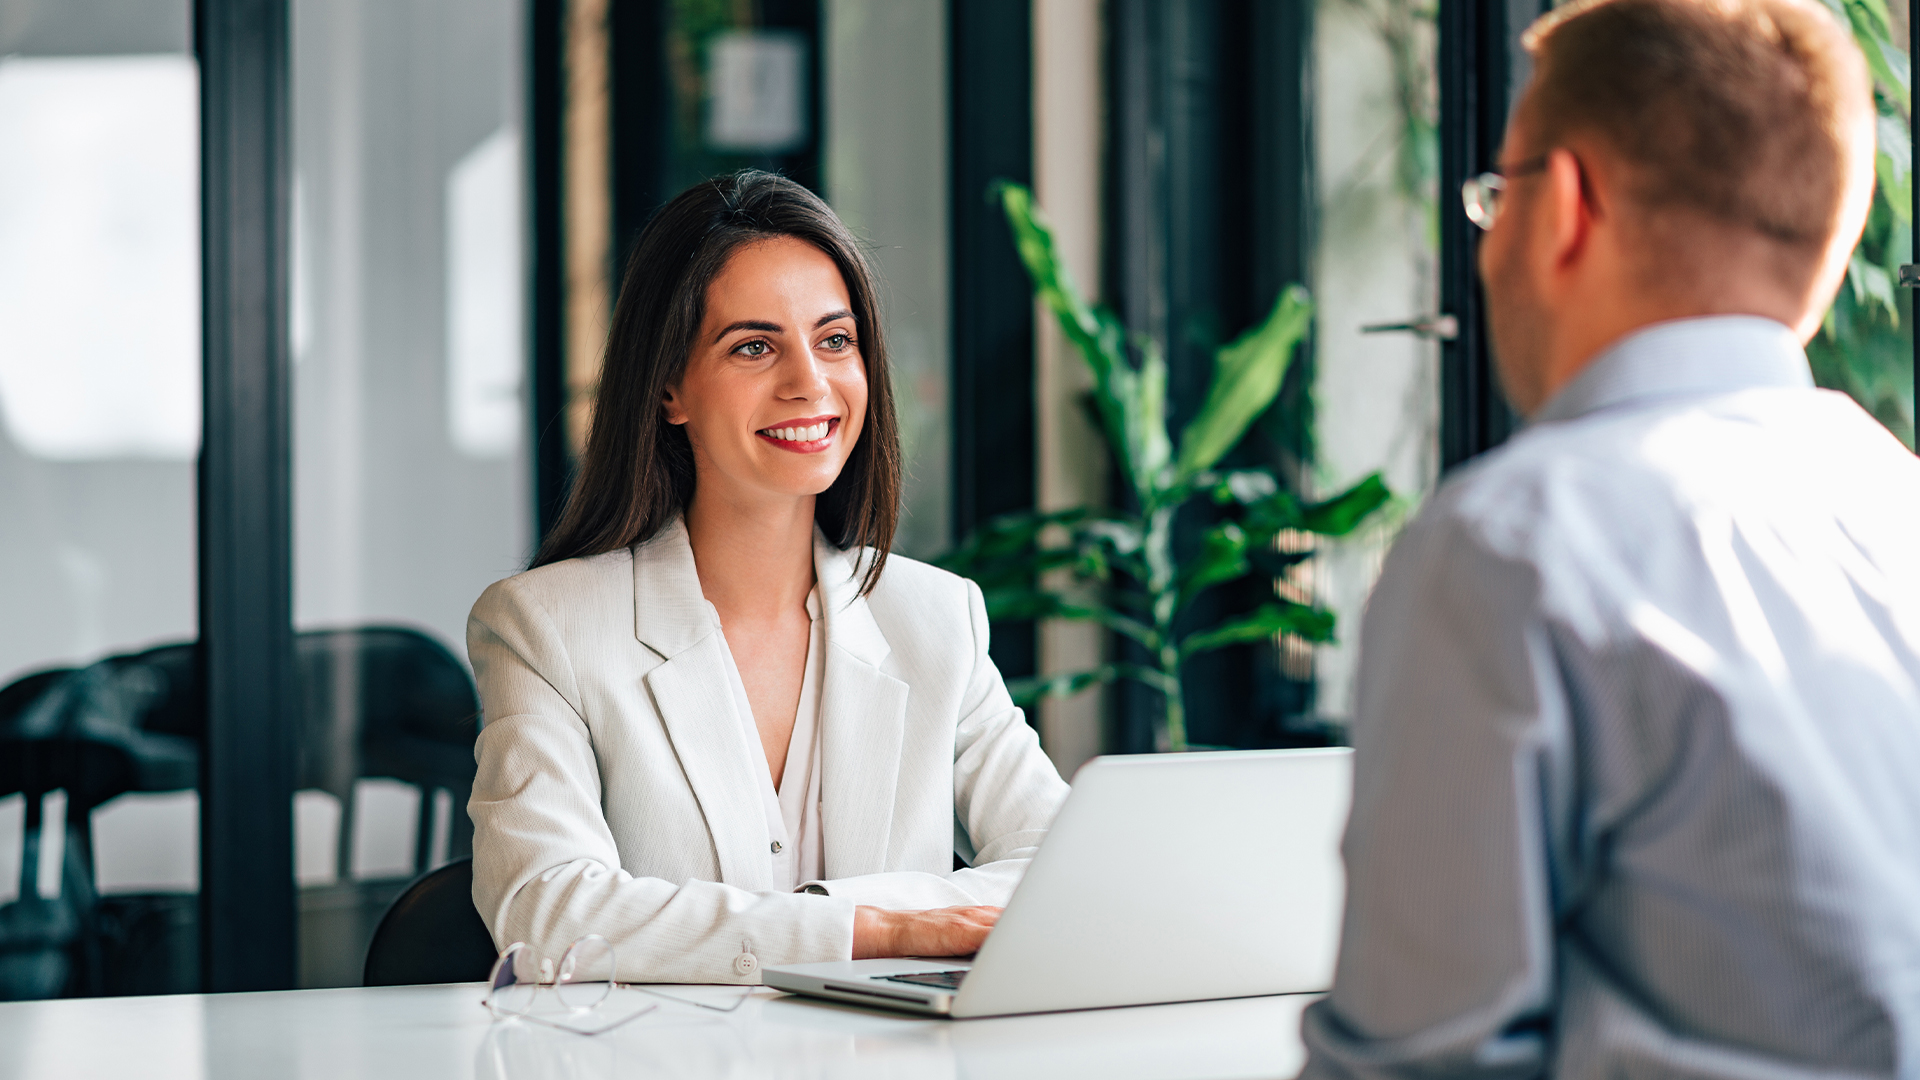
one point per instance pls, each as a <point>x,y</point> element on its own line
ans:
<point>794,483</point>
<point>798,475</point>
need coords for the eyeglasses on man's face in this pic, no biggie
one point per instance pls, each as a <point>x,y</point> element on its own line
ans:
<point>1482,195</point>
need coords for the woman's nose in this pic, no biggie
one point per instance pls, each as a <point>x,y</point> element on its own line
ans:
<point>802,376</point>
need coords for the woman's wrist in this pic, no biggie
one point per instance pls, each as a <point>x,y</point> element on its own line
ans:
<point>873,931</point>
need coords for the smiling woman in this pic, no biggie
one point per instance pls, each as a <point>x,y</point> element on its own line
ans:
<point>716,733</point>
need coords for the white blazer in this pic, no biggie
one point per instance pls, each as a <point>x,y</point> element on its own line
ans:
<point>618,793</point>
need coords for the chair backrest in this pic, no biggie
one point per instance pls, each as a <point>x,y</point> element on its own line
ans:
<point>388,701</point>
<point>432,934</point>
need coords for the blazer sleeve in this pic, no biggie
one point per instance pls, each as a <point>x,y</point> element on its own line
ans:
<point>546,870</point>
<point>1006,792</point>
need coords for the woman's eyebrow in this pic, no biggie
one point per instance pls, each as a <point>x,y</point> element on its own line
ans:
<point>749,324</point>
<point>831,317</point>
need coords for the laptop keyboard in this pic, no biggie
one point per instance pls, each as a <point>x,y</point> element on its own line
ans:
<point>944,980</point>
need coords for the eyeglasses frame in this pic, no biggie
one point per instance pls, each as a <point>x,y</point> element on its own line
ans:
<point>1480,196</point>
<point>564,973</point>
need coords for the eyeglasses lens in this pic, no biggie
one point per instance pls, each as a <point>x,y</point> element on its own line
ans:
<point>1480,196</point>
<point>513,983</point>
<point>586,973</point>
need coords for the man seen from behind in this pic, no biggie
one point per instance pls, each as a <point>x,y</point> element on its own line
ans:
<point>1637,733</point>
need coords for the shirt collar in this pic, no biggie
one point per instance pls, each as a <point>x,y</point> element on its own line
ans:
<point>1708,355</point>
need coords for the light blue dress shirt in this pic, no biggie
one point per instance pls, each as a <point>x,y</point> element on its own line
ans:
<point>1637,741</point>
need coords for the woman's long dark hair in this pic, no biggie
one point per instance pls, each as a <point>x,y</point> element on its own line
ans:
<point>637,473</point>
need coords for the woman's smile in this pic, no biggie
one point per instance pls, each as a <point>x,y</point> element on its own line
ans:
<point>809,435</point>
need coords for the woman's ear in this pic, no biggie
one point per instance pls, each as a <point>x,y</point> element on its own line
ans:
<point>670,405</point>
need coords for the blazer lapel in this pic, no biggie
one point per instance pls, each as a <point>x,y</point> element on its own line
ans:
<point>693,692</point>
<point>863,715</point>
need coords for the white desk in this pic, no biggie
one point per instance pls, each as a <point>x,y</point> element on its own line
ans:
<point>429,1032</point>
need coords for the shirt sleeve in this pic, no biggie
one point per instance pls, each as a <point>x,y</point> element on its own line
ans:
<point>1006,792</point>
<point>1446,953</point>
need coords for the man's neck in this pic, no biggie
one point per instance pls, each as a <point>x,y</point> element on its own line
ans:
<point>1577,343</point>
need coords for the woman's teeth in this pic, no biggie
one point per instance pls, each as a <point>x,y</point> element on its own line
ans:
<point>810,433</point>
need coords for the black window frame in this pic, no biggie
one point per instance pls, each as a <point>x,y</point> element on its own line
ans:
<point>245,512</point>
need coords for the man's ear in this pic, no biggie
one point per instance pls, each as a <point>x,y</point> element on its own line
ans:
<point>1572,206</point>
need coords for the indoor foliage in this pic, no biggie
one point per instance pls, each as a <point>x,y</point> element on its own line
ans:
<point>1862,348</point>
<point>1125,572</point>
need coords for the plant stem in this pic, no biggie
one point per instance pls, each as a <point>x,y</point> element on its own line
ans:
<point>1162,587</point>
<point>1176,707</point>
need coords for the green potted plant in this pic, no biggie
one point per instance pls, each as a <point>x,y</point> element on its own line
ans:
<point>1125,571</point>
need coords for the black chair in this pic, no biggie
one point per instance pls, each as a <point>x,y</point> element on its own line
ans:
<point>388,701</point>
<point>432,934</point>
<point>381,701</point>
<point>76,731</point>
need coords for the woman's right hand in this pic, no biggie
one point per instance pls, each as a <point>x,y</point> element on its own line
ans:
<point>954,931</point>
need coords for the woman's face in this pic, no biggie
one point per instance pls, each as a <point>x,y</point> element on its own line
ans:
<point>775,387</point>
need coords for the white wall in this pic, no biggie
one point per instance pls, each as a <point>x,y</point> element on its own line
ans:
<point>1069,117</point>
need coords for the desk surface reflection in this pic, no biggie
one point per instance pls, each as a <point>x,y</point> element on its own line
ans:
<point>428,1032</point>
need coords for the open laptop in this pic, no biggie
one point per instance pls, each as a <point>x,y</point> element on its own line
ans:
<point>1167,877</point>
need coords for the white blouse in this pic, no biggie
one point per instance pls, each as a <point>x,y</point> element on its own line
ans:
<point>793,812</point>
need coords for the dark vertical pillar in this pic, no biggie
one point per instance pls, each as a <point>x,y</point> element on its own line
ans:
<point>655,154</point>
<point>1137,220</point>
<point>1482,69</point>
<point>546,114</point>
<point>1208,184</point>
<point>640,108</point>
<point>993,415</point>
<point>245,522</point>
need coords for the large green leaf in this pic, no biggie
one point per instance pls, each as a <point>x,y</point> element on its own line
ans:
<point>1872,27</point>
<point>1893,164</point>
<point>1031,689</point>
<point>1280,616</point>
<point>1222,558</point>
<point>1008,549</point>
<point>1277,511</point>
<point>1094,332</point>
<point>1344,512</point>
<point>1246,377</point>
<point>1020,604</point>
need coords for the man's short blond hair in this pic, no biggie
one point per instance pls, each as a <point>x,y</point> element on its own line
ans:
<point>1749,112</point>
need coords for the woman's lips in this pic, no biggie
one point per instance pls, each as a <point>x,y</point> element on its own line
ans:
<point>807,436</point>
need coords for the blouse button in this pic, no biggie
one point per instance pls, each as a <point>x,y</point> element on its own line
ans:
<point>745,964</point>
<point>776,847</point>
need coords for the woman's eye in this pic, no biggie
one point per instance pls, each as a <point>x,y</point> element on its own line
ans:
<point>753,348</point>
<point>836,342</point>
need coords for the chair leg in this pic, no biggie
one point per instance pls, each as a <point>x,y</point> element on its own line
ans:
<point>30,847</point>
<point>343,844</point>
<point>423,831</point>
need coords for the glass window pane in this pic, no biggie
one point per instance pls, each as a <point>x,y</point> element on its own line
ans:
<point>410,432</point>
<point>1376,260</point>
<point>884,165</point>
<point>99,428</point>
